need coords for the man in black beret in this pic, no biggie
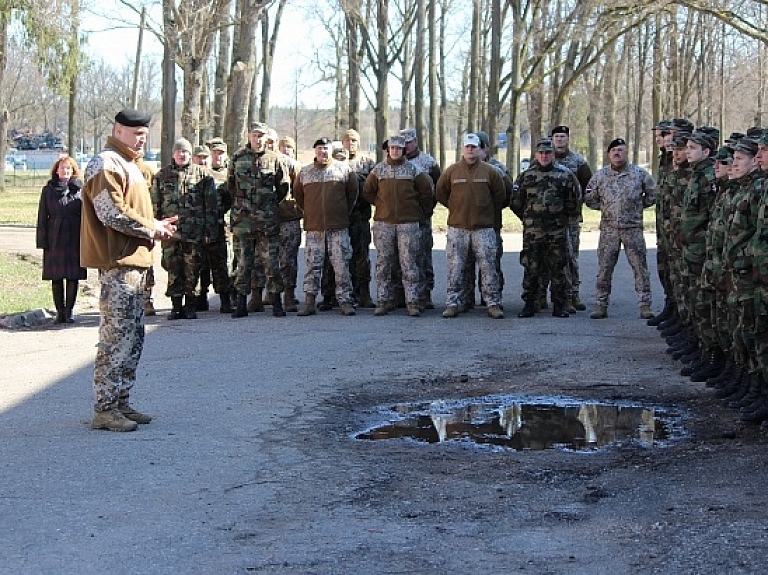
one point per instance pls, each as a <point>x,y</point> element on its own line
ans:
<point>621,191</point>
<point>118,230</point>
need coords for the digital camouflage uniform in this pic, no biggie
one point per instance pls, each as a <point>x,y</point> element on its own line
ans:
<point>258,182</point>
<point>546,199</point>
<point>188,192</point>
<point>621,196</point>
<point>663,193</point>
<point>402,194</point>
<point>359,236</point>
<point>327,192</point>
<point>676,182</point>
<point>290,230</point>
<point>473,195</point>
<point>117,211</point>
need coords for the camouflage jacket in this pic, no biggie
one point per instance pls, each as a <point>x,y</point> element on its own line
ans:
<point>758,250</point>
<point>545,197</point>
<point>698,201</point>
<point>621,196</point>
<point>361,165</point>
<point>715,234</point>
<point>675,182</point>
<point>741,225</point>
<point>257,182</point>
<point>289,209</point>
<point>188,192</point>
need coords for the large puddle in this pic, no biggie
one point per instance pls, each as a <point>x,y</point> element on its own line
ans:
<point>529,423</point>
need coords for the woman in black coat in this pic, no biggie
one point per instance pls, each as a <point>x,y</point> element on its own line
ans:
<point>58,235</point>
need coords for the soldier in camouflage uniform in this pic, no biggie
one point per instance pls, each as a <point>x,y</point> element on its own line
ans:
<point>258,180</point>
<point>214,260</point>
<point>621,191</point>
<point>290,227</point>
<point>428,165</point>
<point>402,195</point>
<point>117,233</point>
<point>561,137</point>
<point>326,191</point>
<point>738,255</point>
<point>698,203</point>
<point>184,190</point>
<point>473,192</point>
<point>545,197</point>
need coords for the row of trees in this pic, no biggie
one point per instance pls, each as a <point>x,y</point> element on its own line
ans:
<point>510,67</point>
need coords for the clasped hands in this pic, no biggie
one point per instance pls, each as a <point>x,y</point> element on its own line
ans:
<point>165,228</point>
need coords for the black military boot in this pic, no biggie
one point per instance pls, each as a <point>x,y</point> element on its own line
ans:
<point>747,395</point>
<point>226,303</point>
<point>277,305</point>
<point>529,310</point>
<point>177,312</point>
<point>724,374</point>
<point>559,311</point>
<point>715,361</point>
<point>692,365</point>
<point>757,411</point>
<point>242,306</point>
<point>731,386</point>
<point>670,321</point>
<point>201,302</point>
<point>190,307</point>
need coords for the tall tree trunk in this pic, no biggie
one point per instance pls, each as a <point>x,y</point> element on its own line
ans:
<point>168,131</point>
<point>609,98</point>
<point>220,79</point>
<point>443,89</point>
<point>4,119</point>
<point>418,72</point>
<point>494,108</point>
<point>354,56</point>
<point>269,43</point>
<point>432,141</point>
<point>473,105</point>
<point>190,102</point>
<point>382,75</point>
<point>137,62</point>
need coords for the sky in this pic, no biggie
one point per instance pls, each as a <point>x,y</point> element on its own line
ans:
<point>112,36</point>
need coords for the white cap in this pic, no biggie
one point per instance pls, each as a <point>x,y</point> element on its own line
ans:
<point>471,140</point>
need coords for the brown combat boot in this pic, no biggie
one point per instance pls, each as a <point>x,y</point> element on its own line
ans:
<point>600,313</point>
<point>112,420</point>
<point>413,310</point>
<point>347,309</point>
<point>290,303</point>
<point>309,305</point>
<point>645,312</point>
<point>130,413</point>
<point>255,304</point>
<point>495,312</point>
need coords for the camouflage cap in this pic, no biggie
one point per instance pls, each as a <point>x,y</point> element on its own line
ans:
<point>397,141</point>
<point>409,134</point>
<point>679,141</point>
<point>746,146</point>
<point>544,145</point>
<point>485,139</point>
<point>755,132</point>
<point>182,144</point>
<point>217,145</point>
<point>735,137</point>
<point>663,125</point>
<point>763,140</point>
<point>710,131</point>
<point>724,155</point>
<point>703,139</point>
<point>681,124</point>
<point>260,127</point>
<point>202,151</point>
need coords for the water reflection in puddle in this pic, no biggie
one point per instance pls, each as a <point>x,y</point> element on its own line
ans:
<point>524,423</point>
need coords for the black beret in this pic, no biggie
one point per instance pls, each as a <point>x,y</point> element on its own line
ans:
<point>615,143</point>
<point>133,118</point>
<point>560,130</point>
<point>322,142</point>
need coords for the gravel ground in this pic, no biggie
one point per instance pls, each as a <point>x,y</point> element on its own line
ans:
<point>251,465</point>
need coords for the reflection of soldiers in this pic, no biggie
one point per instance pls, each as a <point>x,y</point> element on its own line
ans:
<point>258,181</point>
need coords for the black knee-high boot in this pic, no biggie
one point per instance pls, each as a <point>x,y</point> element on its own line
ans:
<point>57,286</point>
<point>71,299</point>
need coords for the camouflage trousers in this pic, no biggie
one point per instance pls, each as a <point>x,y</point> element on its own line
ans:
<point>397,245</point>
<point>182,262</point>
<point>336,244</point>
<point>290,240</point>
<point>703,317</point>
<point>482,243</point>
<point>721,314</point>
<point>608,249</point>
<point>761,333</point>
<point>214,262</point>
<point>544,250</point>
<point>426,268</point>
<point>470,277</point>
<point>359,263</point>
<point>121,336</point>
<point>149,284</point>
<point>744,341</point>
<point>259,247</point>
<point>572,280</point>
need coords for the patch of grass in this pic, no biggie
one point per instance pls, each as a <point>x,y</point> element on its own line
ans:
<point>21,288</point>
<point>21,197</point>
